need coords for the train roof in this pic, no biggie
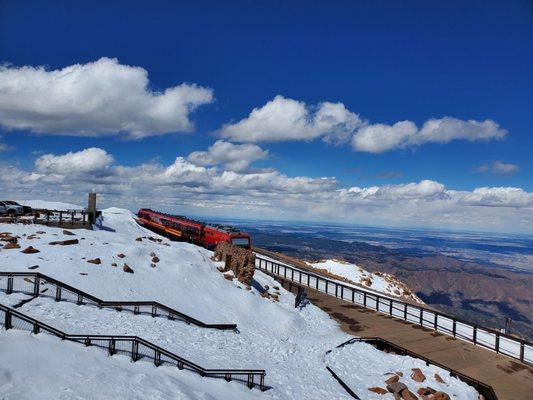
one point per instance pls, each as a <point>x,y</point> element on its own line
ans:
<point>220,227</point>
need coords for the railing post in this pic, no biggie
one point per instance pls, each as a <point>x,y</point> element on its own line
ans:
<point>326,286</point>
<point>522,345</point>
<point>262,383</point>
<point>36,286</point>
<point>36,328</point>
<point>377,303</point>
<point>250,383</point>
<point>353,296</point>
<point>134,351</point>
<point>336,290</point>
<point>474,335</point>
<point>157,358</point>
<point>497,344</point>
<point>342,292</point>
<point>454,328</point>
<point>154,311</point>
<point>80,300</point>
<point>7,320</point>
<point>436,322</point>
<point>58,293</point>
<point>9,285</point>
<point>72,220</point>
<point>405,311</point>
<point>292,273</point>
<point>83,217</point>
<point>364,299</point>
<point>60,218</point>
<point>422,317</point>
<point>136,309</point>
<point>111,347</point>
<point>180,365</point>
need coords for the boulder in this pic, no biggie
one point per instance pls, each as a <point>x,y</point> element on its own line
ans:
<point>417,375</point>
<point>396,387</point>
<point>426,391</point>
<point>155,260</point>
<point>440,396</point>
<point>64,242</point>
<point>96,261</point>
<point>30,250</point>
<point>392,379</point>
<point>11,245</point>
<point>438,378</point>
<point>126,268</point>
<point>406,394</point>
<point>121,255</point>
<point>378,390</point>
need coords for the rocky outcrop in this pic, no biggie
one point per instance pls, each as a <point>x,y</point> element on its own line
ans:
<point>30,250</point>
<point>127,268</point>
<point>241,262</point>
<point>64,242</point>
<point>96,261</point>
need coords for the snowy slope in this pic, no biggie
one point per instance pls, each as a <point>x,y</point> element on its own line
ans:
<point>49,205</point>
<point>290,344</point>
<point>381,282</point>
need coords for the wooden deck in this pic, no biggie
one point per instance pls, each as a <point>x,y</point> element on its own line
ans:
<point>510,379</point>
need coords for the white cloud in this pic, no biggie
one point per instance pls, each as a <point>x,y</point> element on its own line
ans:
<point>378,138</point>
<point>233,157</point>
<point>285,119</point>
<point>498,168</point>
<point>94,99</point>
<point>186,187</point>
<point>92,160</point>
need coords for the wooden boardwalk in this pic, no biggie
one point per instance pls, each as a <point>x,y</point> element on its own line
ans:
<point>510,379</point>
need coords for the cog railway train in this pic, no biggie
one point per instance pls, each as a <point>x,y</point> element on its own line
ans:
<point>189,230</point>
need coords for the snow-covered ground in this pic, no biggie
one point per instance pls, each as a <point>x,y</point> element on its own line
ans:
<point>381,282</point>
<point>290,344</point>
<point>49,205</point>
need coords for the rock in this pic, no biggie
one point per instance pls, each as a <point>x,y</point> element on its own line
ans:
<point>30,250</point>
<point>153,239</point>
<point>153,265</point>
<point>126,268</point>
<point>417,375</point>
<point>275,297</point>
<point>96,261</point>
<point>275,287</point>
<point>113,264</point>
<point>396,387</point>
<point>406,394</point>
<point>155,260</point>
<point>229,277</point>
<point>440,396</point>
<point>267,287</point>
<point>33,267</point>
<point>139,239</point>
<point>68,233</point>
<point>242,261</point>
<point>265,294</point>
<point>392,379</point>
<point>83,273</point>
<point>399,373</point>
<point>64,242</point>
<point>11,245</point>
<point>121,255</point>
<point>152,254</point>
<point>426,391</point>
<point>40,232</point>
<point>438,378</point>
<point>378,390</point>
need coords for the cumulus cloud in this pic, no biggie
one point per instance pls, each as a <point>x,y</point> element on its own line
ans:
<point>283,119</point>
<point>286,119</point>
<point>233,157</point>
<point>95,99</point>
<point>498,168</point>
<point>187,186</point>
<point>91,160</point>
<point>378,138</point>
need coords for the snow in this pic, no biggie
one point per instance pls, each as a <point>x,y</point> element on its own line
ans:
<point>290,344</point>
<point>49,205</point>
<point>381,282</point>
<point>353,364</point>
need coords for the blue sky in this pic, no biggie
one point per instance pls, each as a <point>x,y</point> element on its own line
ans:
<point>385,62</point>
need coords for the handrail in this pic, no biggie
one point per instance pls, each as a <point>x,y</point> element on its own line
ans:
<point>389,305</point>
<point>486,390</point>
<point>181,362</point>
<point>172,313</point>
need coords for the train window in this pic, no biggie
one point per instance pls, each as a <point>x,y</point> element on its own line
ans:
<point>241,242</point>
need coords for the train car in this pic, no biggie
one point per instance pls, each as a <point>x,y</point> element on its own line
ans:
<point>190,230</point>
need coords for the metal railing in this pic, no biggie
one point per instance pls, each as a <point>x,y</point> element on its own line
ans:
<point>136,347</point>
<point>382,344</point>
<point>489,338</point>
<point>31,282</point>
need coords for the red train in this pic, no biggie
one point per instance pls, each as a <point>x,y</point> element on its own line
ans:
<point>200,233</point>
